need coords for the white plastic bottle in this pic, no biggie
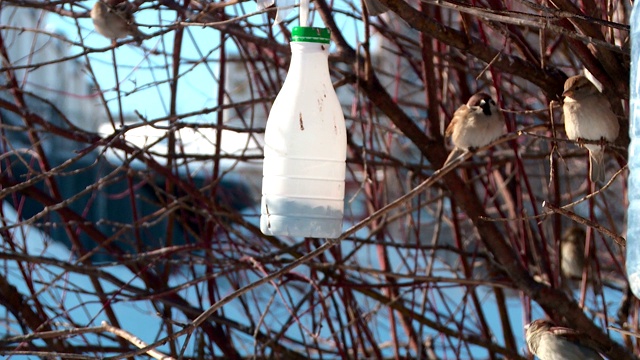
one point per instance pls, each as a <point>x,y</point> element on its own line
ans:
<point>633,216</point>
<point>305,146</point>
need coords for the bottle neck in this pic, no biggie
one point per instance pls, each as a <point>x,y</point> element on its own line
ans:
<point>307,58</point>
<point>307,51</point>
<point>309,47</point>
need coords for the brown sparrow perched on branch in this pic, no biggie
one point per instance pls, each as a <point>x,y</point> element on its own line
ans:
<point>588,116</point>
<point>572,260</point>
<point>114,20</point>
<point>474,125</point>
<point>572,252</point>
<point>550,342</point>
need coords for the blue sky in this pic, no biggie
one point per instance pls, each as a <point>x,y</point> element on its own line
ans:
<point>137,68</point>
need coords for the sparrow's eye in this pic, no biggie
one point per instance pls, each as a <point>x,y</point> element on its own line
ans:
<point>580,86</point>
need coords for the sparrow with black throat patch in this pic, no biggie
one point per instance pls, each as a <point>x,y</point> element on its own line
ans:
<point>474,125</point>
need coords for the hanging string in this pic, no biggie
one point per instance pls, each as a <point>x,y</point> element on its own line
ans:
<point>304,12</point>
<point>284,8</point>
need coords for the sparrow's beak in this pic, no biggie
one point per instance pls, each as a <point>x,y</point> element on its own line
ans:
<point>567,92</point>
<point>526,327</point>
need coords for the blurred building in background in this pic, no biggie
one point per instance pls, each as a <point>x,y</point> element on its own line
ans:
<point>101,186</point>
<point>63,84</point>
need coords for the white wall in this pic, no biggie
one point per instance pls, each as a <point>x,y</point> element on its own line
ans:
<point>26,35</point>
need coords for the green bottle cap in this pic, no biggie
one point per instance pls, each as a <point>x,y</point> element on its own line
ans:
<point>311,34</point>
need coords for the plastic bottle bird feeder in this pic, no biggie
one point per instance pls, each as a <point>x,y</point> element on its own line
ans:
<point>305,146</point>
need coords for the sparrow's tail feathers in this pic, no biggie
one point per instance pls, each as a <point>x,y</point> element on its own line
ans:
<point>138,36</point>
<point>375,7</point>
<point>596,163</point>
<point>454,155</point>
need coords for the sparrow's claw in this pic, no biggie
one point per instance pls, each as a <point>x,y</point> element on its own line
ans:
<point>603,141</point>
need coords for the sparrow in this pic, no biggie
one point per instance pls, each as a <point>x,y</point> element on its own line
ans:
<point>572,252</point>
<point>549,342</point>
<point>114,20</point>
<point>474,125</point>
<point>588,116</point>
<point>572,260</point>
